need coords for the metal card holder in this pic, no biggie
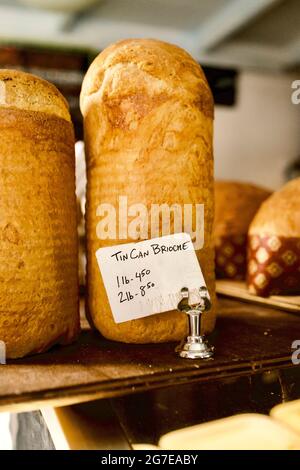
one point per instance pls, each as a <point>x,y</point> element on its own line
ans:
<point>195,346</point>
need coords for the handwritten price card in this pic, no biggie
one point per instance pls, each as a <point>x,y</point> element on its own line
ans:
<point>145,278</point>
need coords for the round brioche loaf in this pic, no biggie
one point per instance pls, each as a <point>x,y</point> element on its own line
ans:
<point>38,229</point>
<point>148,120</point>
<point>280,214</point>
<point>235,206</point>
<point>274,244</point>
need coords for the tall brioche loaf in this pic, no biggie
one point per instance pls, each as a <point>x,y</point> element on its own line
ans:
<point>148,119</point>
<point>274,244</point>
<point>235,206</point>
<point>38,235</point>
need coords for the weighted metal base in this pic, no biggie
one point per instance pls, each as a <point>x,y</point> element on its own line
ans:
<point>195,347</point>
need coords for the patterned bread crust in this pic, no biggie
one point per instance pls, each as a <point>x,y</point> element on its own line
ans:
<point>235,206</point>
<point>274,244</point>
<point>38,233</point>
<point>148,115</point>
<point>273,265</point>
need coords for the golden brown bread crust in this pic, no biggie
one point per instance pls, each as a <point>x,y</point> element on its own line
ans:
<point>235,206</point>
<point>38,238</point>
<point>158,60</point>
<point>148,130</point>
<point>280,213</point>
<point>26,91</point>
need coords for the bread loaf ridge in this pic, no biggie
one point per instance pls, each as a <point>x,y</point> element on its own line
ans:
<point>148,119</point>
<point>38,230</point>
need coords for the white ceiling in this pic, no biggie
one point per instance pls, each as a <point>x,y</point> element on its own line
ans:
<point>243,33</point>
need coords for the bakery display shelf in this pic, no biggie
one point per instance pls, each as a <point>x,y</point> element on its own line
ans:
<point>248,339</point>
<point>238,290</point>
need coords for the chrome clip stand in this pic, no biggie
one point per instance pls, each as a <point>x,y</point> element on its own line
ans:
<point>195,346</point>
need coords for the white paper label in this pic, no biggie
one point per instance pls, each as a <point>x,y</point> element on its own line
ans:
<point>146,278</point>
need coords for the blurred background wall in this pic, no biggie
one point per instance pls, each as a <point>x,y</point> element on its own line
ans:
<point>256,139</point>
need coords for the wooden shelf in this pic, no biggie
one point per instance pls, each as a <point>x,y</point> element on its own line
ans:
<point>248,339</point>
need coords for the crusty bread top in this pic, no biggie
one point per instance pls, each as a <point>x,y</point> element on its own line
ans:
<point>164,67</point>
<point>280,213</point>
<point>235,206</point>
<point>26,91</point>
